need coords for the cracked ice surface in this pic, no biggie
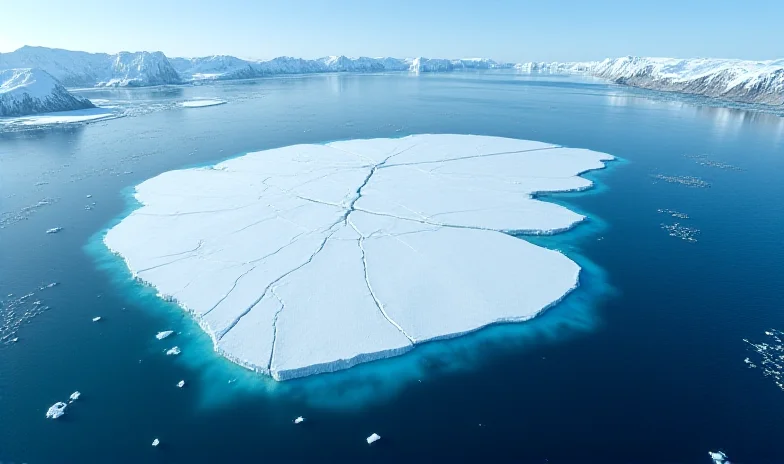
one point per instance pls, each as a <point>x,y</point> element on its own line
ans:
<point>313,258</point>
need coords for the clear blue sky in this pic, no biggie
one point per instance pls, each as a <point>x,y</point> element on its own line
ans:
<point>514,30</point>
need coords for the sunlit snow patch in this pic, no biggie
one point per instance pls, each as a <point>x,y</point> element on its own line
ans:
<point>313,258</point>
<point>201,103</point>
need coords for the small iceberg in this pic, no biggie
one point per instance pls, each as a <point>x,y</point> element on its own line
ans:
<point>299,420</point>
<point>202,103</point>
<point>173,351</point>
<point>156,442</point>
<point>373,438</point>
<point>164,334</point>
<point>719,457</point>
<point>180,384</point>
<point>96,318</point>
<point>56,410</point>
<point>15,339</point>
<point>74,396</point>
<point>54,230</point>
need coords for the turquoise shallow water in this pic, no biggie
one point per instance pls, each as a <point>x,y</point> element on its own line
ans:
<point>643,363</point>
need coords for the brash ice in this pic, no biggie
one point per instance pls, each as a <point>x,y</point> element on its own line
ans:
<point>314,258</point>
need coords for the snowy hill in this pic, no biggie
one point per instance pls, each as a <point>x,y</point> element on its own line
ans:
<point>735,80</point>
<point>81,69</point>
<point>31,91</point>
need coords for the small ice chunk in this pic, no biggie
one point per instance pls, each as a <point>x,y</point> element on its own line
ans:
<point>373,438</point>
<point>180,384</point>
<point>718,457</point>
<point>173,351</point>
<point>15,339</point>
<point>54,230</point>
<point>299,420</point>
<point>164,334</point>
<point>56,410</point>
<point>75,396</point>
<point>96,318</point>
<point>89,196</point>
<point>156,442</point>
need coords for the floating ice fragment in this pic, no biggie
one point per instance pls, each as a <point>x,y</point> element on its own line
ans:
<point>89,196</point>
<point>299,420</point>
<point>173,351</point>
<point>180,384</point>
<point>74,396</point>
<point>96,318</point>
<point>719,457</point>
<point>373,438</point>
<point>164,334</point>
<point>56,410</point>
<point>156,442</point>
<point>54,230</point>
<point>15,339</point>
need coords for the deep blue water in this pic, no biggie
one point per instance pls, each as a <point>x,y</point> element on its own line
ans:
<point>642,364</point>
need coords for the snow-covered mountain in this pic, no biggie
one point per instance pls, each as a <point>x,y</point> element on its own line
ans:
<point>736,80</point>
<point>81,69</point>
<point>30,91</point>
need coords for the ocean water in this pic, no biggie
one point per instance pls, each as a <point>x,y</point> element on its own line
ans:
<point>644,363</point>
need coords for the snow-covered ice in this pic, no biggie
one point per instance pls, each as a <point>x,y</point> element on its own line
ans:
<point>373,438</point>
<point>54,230</point>
<point>74,396</point>
<point>299,420</point>
<point>56,410</point>
<point>174,351</point>
<point>96,318</point>
<point>719,457</point>
<point>62,117</point>
<point>314,258</point>
<point>201,103</point>
<point>156,442</point>
<point>180,384</point>
<point>164,334</point>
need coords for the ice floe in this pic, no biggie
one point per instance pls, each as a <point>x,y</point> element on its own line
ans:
<point>54,230</point>
<point>771,356</point>
<point>313,258</point>
<point>201,103</point>
<point>74,396</point>
<point>164,334</point>
<point>373,438</point>
<point>156,442</point>
<point>61,117</point>
<point>174,351</point>
<point>96,318</point>
<point>688,181</point>
<point>56,410</point>
<point>719,457</point>
<point>180,384</point>
<point>689,234</point>
<point>299,420</point>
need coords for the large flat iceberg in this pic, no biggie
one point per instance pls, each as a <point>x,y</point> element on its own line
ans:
<point>313,258</point>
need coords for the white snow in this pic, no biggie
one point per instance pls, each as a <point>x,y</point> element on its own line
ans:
<point>54,230</point>
<point>156,442</point>
<point>174,351</point>
<point>201,103</point>
<point>97,318</point>
<point>180,384</point>
<point>74,396</point>
<point>56,410</point>
<point>299,420</point>
<point>164,334</point>
<point>373,438</point>
<point>62,117</point>
<point>313,258</point>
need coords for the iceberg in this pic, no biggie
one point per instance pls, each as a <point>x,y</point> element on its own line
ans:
<point>56,410</point>
<point>373,438</point>
<point>314,258</point>
<point>201,103</point>
<point>164,334</point>
<point>74,396</point>
<point>180,384</point>
<point>719,457</point>
<point>96,318</point>
<point>299,420</point>
<point>174,351</point>
<point>156,442</point>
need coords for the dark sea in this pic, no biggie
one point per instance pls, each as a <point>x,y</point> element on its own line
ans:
<point>668,349</point>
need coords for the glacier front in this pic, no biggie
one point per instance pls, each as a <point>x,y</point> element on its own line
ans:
<point>313,258</point>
